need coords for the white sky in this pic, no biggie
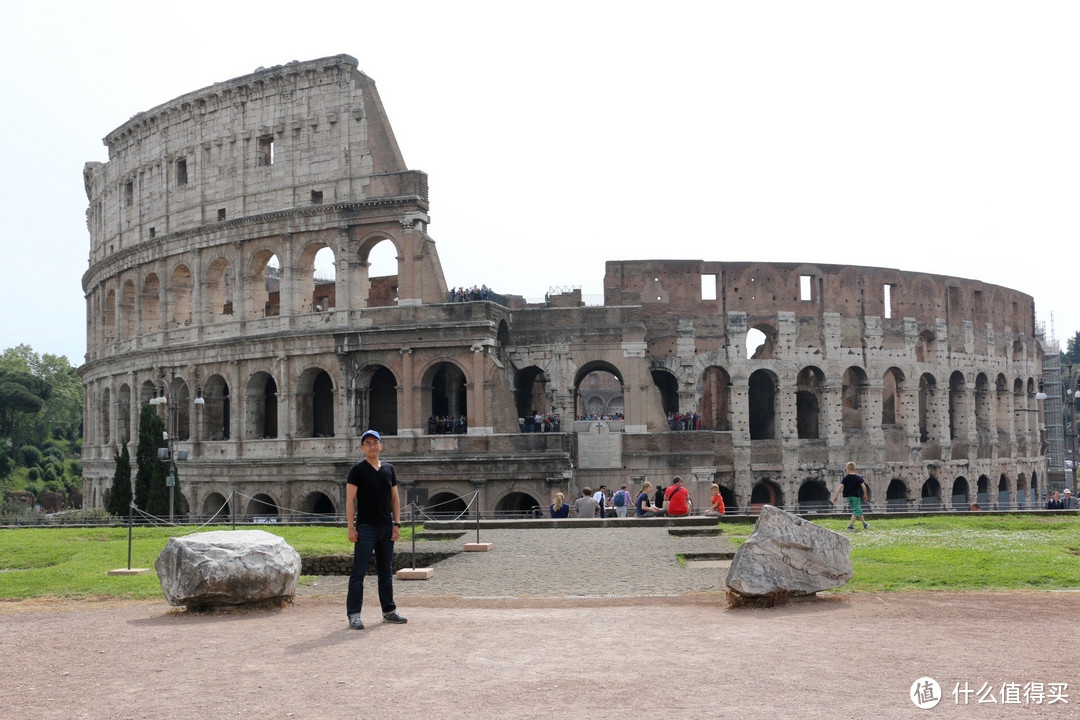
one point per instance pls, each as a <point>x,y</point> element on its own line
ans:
<point>932,136</point>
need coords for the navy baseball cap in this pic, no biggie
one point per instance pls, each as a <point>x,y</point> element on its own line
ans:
<point>371,433</point>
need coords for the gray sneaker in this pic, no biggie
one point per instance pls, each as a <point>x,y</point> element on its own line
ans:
<point>356,623</point>
<point>393,617</point>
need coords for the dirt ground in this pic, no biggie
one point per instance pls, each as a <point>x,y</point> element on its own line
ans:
<point>837,656</point>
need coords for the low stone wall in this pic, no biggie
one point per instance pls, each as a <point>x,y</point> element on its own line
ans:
<point>342,564</point>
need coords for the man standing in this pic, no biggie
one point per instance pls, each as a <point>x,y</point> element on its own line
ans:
<point>1067,500</point>
<point>854,489</point>
<point>373,511</point>
<point>599,497</point>
<point>677,498</point>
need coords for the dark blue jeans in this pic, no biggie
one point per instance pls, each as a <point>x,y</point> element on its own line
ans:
<point>372,539</point>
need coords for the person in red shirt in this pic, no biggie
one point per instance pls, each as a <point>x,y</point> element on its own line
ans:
<point>716,502</point>
<point>677,498</point>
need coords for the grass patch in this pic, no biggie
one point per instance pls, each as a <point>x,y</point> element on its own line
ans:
<point>74,562</point>
<point>948,552</point>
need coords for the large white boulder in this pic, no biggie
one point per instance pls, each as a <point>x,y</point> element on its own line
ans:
<point>227,567</point>
<point>787,555</point>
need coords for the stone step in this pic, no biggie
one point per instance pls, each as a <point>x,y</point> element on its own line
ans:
<point>695,531</point>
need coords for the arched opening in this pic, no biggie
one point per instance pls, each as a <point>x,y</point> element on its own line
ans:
<point>668,386</point>
<point>927,390</point>
<point>216,506</point>
<point>1003,492</point>
<point>108,324</point>
<point>853,395</point>
<point>958,409</point>
<point>322,406</point>
<point>180,305</point>
<point>896,496</point>
<point>262,407</point>
<point>765,492</point>
<point>449,397</point>
<point>530,397</point>
<point>599,391</point>
<point>808,403</point>
<point>931,494</point>
<point>216,411</point>
<point>926,347</point>
<point>317,503</point>
<point>150,308</point>
<point>324,280</point>
<point>892,384</point>
<point>127,310</point>
<point>445,506</point>
<point>761,342</point>
<point>715,400</point>
<point>180,407</point>
<point>218,290</point>
<point>262,508</point>
<point>123,412</point>
<point>382,396</point>
<point>379,267</point>
<point>984,410</point>
<point>762,405</point>
<point>517,505</point>
<point>982,490</point>
<point>814,497</point>
<point>960,490</point>
<point>264,285</point>
<point>105,415</point>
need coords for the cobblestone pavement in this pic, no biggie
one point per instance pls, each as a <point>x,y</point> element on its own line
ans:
<point>563,562</point>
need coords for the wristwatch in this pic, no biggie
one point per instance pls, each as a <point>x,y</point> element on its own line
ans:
<point>397,524</point>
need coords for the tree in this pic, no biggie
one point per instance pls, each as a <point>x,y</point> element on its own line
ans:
<point>21,394</point>
<point>120,494</point>
<point>1072,350</point>
<point>150,470</point>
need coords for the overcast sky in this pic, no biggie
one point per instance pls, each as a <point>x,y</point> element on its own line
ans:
<point>940,136</point>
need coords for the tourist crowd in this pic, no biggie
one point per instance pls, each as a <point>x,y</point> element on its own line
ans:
<point>540,422</point>
<point>447,425</point>
<point>462,294</point>
<point>684,421</point>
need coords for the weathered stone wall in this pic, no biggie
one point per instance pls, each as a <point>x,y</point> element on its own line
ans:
<point>928,382</point>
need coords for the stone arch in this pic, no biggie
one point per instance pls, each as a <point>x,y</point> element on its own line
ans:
<point>127,309</point>
<point>180,297</point>
<point>668,386</point>
<point>261,406</point>
<point>982,490</point>
<point>765,492</point>
<point>896,496</point>
<point>377,290</point>
<point>315,406</point>
<point>854,387</point>
<point>715,403</point>
<point>317,503</point>
<point>1003,491</point>
<point>382,401</point>
<point>146,392</point>
<point>180,408</point>
<point>445,390</point>
<point>517,504</point>
<point>446,506</point>
<point>218,290</point>
<point>926,347</point>
<point>958,406</point>
<point>217,411</point>
<point>105,415</point>
<point>123,413</point>
<point>215,505</point>
<point>930,494</point>
<point>531,393</point>
<point>108,321</point>
<point>263,282</point>
<point>762,399</point>
<point>598,389</point>
<point>814,496</point>
<point>927,395</point>
<point>808,392</point>
<point>761,341</point>
<point>892,388</point>
<point>150,306</point>
<point>960,492</point>
<point>1003,406</point>
<point>315,290</point>
<point>261,505</point>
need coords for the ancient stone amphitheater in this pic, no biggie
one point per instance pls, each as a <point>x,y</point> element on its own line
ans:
<point>231,281</point>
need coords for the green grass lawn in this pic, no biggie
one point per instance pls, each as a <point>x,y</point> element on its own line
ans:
<point>983,552</point>
<point>970,552</point>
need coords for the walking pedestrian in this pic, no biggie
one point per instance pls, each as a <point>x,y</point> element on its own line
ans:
<point>854,489</point>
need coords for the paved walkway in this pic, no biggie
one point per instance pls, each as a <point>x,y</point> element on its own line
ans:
<point>568,561</point>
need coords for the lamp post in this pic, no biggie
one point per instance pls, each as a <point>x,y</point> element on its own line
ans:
<point>160,398</point>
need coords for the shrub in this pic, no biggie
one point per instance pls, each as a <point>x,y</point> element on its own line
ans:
<point>48,475</point>
<point>30,455</point>
<point>34,474</point>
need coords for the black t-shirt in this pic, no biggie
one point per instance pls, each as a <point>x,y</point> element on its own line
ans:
<point>373,492</point>
<point>852,485</point>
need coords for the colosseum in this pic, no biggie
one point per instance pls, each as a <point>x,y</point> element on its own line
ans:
<point>231,279</point>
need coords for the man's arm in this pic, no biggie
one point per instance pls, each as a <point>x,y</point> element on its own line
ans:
<point>395,510</point>
<point>350,510</point>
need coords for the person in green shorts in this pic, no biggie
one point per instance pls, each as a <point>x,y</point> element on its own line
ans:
<point>854,489</point>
